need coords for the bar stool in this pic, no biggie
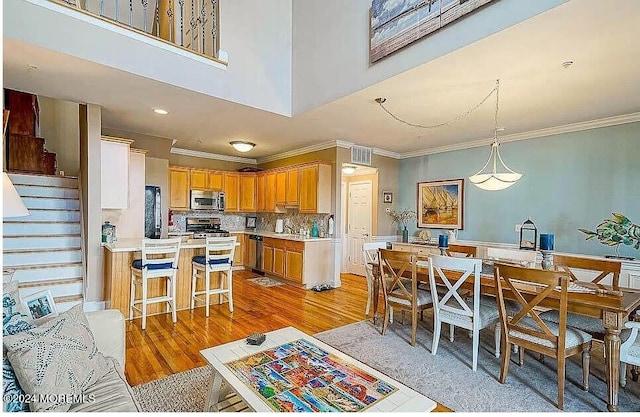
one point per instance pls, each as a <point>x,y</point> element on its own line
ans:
<point>218,257</point>
<point>159,260</point>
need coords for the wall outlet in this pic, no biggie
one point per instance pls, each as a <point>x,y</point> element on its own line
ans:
<point>518,227</point>
<point>388,209</point>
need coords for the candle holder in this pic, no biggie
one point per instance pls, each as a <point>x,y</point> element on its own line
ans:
<point>443,250</point>
<point>547,259</point>
<point>443,244</point>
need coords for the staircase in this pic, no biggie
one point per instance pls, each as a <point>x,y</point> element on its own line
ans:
<point>45,248</point>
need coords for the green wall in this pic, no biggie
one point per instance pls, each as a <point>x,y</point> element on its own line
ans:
<point>573,180</point>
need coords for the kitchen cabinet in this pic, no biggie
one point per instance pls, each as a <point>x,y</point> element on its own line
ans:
<point>239,252</point>
<point>301,263</point>
<point>199,179</point>
<point>232,191</point>
<point>267,256</point>
<point>291,197</point>
<point>261,203</point>
<point>248,193</point>
<point>270,192</point>
<point>281,188</point>
<point>315,188</point>
<point>179,187</point>
<point>114,172</point>
<point>294,261</point>
<point>216,181</point>
<point>278,259</point>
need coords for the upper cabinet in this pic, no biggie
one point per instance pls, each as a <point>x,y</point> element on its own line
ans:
<point>114,172</point>
<point>281,188</point>
<point>315,188</point>
<point>248,192</point>
<point>291,197</point>
<point>232,191</point>
<point>206,180</point>
<point>261,203</point>
<point>179,188</point>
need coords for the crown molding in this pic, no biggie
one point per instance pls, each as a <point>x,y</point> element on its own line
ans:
<point>388,154</point>
<point>556,130</point>
<point>301,151</point>
<point>208,155</point>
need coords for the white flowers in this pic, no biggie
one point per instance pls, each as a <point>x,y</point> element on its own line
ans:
<point>402,217</point>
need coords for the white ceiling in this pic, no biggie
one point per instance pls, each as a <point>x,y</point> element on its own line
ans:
<point>536,91</point>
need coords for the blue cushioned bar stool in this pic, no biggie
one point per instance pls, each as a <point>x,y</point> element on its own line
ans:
<point>218,257</point>
<point>159,260</point>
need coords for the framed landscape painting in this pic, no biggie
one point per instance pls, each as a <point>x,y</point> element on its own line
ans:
<point>441,204</point>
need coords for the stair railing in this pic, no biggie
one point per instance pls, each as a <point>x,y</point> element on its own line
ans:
<point>83,246</point>
<point>189,24</point>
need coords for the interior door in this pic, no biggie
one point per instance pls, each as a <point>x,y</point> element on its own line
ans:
<point>359,223</point>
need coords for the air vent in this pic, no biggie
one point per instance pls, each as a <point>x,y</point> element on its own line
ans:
<point>361,155</point>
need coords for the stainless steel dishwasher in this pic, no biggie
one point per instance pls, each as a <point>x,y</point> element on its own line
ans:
<point>255,253</point>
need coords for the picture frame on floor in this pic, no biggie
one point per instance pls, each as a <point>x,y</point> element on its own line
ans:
<point>41,306</point>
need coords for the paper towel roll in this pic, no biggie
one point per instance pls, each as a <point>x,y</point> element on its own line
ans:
<point>279,226</point>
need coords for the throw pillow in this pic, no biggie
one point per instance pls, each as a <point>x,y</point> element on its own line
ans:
<point>57,361</point>
<point>13,322</point>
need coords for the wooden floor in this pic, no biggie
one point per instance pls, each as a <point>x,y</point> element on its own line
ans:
<point>166,348</point>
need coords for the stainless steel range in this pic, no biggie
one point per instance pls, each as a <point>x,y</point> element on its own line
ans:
<point>203,227</point>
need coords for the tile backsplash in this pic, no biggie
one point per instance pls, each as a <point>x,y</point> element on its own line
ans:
<point>228,221</point>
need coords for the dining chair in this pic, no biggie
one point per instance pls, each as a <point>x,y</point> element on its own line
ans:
<point>218,257</point>
<point>532,288</point>
<point>473,313</point>
<point>595,270</point>
<point>401,291</point>
<point>370,258</point>
<point>630,349</point>
<point>159,261</point>
<point>463,251</point>
<point>521,257</point>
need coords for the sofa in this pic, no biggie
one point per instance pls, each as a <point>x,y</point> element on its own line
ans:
<point>108,390</point>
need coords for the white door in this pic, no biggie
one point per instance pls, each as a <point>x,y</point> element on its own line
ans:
<point>359,223</point>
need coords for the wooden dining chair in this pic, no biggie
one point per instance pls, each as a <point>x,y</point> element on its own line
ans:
<point>586,269</point>
<point>522,257</point>
<point>370,259</point>
<point>526,329</point>
<point>630,349</point>
<point>399,274</point>
<point>462,251</point>
<point>474,313</point>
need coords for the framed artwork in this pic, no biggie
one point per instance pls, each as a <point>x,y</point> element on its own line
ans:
<point>40,305</point>
<point>387,197</point>
<point>441,204</point>
<point>395,24</point>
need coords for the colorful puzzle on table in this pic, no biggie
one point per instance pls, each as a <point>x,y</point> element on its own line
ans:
<point>301,377</point>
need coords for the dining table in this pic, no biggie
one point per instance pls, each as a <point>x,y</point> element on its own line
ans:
<point>614,306</point>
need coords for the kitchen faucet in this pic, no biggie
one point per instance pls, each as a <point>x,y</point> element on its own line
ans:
<point>289,228</point>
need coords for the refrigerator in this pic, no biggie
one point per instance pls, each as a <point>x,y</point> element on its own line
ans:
<point>152,212</point>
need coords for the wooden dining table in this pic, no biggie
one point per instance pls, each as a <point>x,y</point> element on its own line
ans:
<point>612,306</point>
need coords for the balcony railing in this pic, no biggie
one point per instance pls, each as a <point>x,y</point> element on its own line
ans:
<point>189,24</point>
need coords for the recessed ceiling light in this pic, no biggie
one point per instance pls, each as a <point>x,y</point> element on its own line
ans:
<point>32,66</point>
<point>242,146</point>
<point>160,111</point>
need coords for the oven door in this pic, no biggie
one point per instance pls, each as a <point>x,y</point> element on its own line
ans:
<point>204,200</point>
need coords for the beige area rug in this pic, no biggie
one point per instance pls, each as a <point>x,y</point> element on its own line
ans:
<point>265,281</point>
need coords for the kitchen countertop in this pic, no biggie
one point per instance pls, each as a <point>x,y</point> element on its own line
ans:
<point>286,236</point>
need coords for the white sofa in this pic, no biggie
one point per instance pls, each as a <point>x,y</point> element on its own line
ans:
<point>112,392</point>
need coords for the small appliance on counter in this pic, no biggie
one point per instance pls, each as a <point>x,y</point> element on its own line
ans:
<point>279,226</point>
<point>201,227</point>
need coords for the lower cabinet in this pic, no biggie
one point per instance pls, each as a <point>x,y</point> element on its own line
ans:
<point>238,254</point>
<point>283,259</point>
<point>293,265</point>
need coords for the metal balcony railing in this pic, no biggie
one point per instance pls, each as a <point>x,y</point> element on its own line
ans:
<point>189,24</point>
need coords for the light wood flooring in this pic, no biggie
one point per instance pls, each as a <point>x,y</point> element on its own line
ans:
<point>165,348</point>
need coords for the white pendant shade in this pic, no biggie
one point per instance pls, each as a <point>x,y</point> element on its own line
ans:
<point>12,205</point>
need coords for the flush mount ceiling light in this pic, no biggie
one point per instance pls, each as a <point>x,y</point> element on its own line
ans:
<point>242,146</point>
<point>160,111</point>
<point>495,180</point>
<point>349,169</point>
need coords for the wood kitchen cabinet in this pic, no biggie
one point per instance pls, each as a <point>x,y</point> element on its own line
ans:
<point>199,179</point>
<point>248,193</point>
<point>232,191</point>
<point>239,252</point>
<point>315,188</point>
<point>281,188</point>
<point>294,262</point>
<point>270,192</point>
<point>179,187</point>
<point>216,181</point>
<point>278,259</point>
<point>291,197</point>
<point>267,255</point>
<point>261,184</point>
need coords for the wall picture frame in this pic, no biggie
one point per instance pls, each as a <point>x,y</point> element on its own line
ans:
<point>387,197</point>
<point>41,305</point>
<point>441,204</point>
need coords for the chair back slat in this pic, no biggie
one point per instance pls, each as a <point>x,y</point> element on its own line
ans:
<point>393,265</point>
<point>522,257</point>
<point>161,251</point>
<point>454,272</point>
<point>462,251</point>
<point>603,268</point>
<point>531,288</point>
<point>370,252</point>
<point>220,248</point>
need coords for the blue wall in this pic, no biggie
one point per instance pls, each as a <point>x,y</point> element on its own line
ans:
<point>573,180</point>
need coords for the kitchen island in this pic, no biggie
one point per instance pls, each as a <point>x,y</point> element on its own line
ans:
<point>300,261</point>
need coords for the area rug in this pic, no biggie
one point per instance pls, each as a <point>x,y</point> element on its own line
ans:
<point>446,378</point>
<point>265,281</point>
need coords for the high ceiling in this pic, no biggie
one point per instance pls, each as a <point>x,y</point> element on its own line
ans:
<point>537,91</point>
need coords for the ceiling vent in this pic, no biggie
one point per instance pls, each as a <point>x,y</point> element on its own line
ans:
<point>361,155</point>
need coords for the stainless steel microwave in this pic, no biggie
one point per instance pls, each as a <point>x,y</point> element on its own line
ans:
<point>207,200</point>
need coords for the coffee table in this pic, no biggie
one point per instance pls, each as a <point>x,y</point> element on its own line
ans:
<point>404,399</point>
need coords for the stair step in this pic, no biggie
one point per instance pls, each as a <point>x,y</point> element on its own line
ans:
<point>40,228</point>
<point>57,289</point>
<point>41,242</point>
<point>66,303</point>
<point>29,190</point>
<point>51,203</point>
<point>37,215</point>
<point>50,180</point>
<point>41,257</point>
<point>46,272</point>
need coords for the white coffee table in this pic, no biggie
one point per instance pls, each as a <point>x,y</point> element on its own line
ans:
<point>404,399</point>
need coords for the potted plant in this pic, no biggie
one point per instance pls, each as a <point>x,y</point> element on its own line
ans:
<point>403,217</point>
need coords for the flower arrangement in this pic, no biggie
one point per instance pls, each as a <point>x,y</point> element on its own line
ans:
<point>403,216</point>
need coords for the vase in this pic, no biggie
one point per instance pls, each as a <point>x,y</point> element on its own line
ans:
<point>405,235</point>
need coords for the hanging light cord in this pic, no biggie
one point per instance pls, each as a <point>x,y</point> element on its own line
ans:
<point>381,101</point>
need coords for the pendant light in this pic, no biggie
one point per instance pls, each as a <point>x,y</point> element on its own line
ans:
<point>495,180</point>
